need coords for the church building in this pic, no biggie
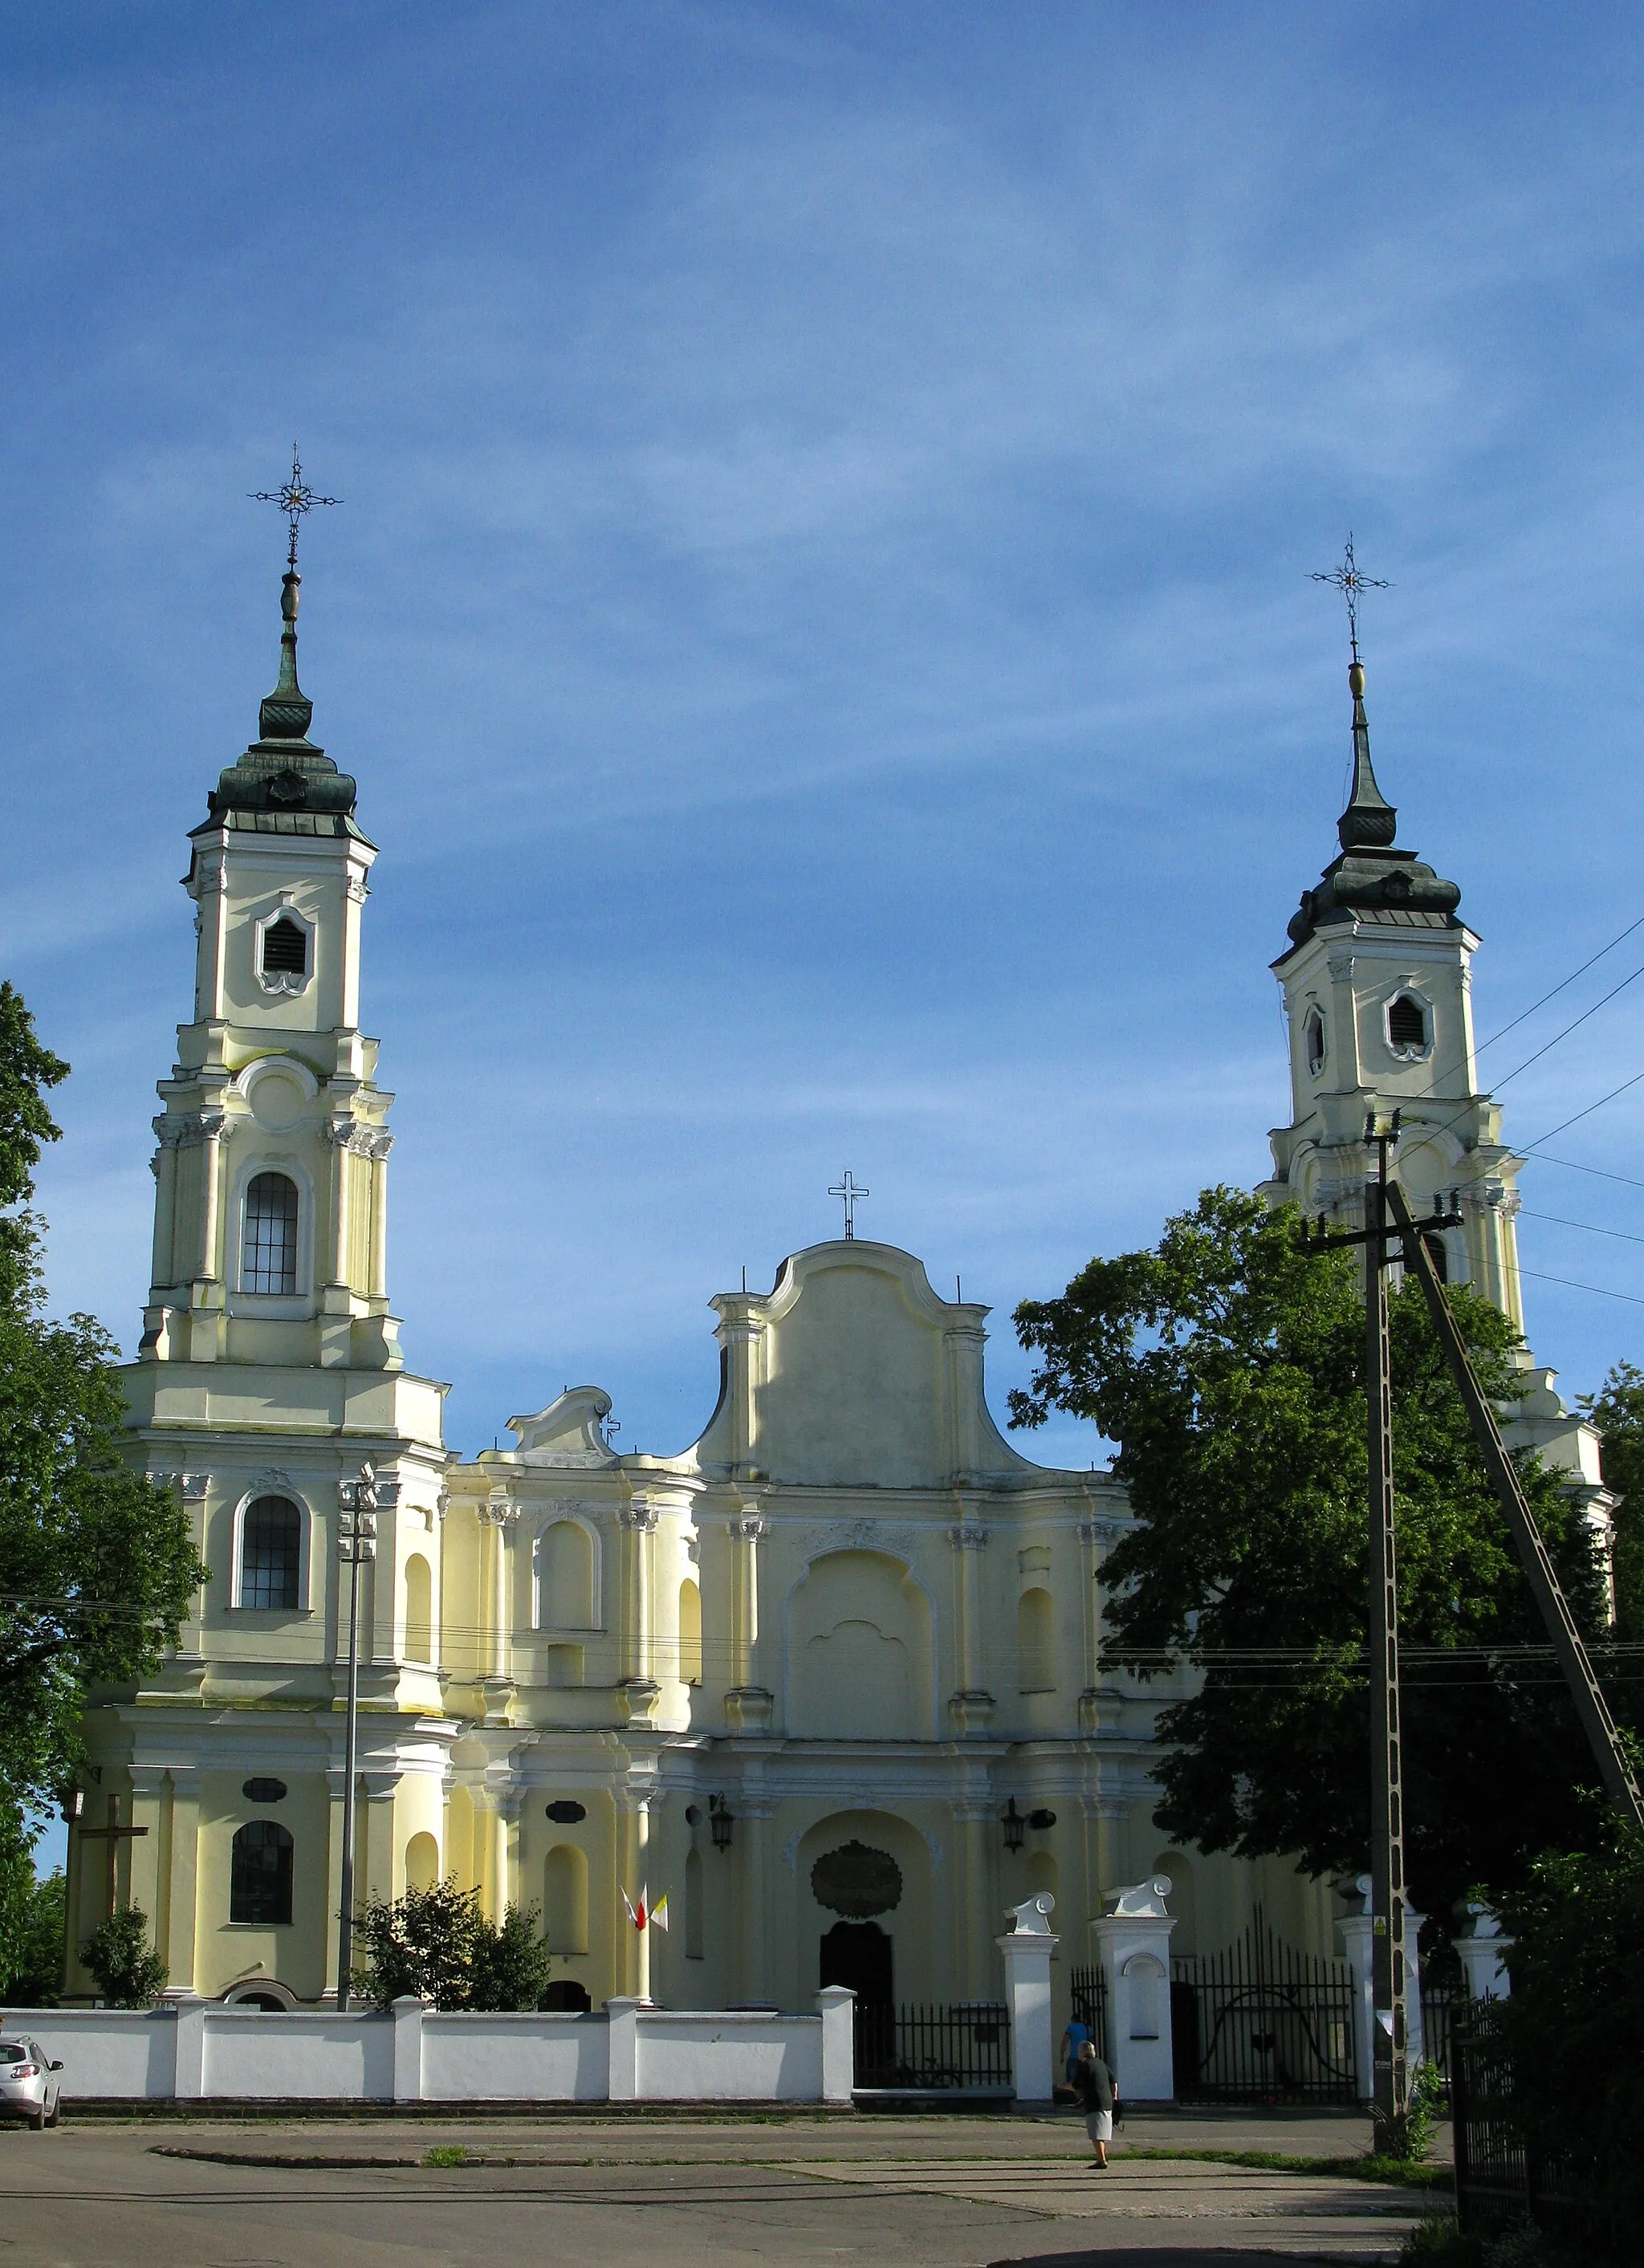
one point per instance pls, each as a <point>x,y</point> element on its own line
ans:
<point>828,1679</point>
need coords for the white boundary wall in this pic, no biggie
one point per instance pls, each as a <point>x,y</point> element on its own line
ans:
<point>201,2050</point>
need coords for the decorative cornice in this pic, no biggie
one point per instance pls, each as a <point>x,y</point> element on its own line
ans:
<point>499,1511</point>
<point>345,1132</point>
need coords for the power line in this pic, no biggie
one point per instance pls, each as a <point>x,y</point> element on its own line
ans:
<point>1597,1290</point>
<point>1591,1227</point>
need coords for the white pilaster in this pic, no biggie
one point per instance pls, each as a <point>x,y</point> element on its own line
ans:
<point>1133,1942</point>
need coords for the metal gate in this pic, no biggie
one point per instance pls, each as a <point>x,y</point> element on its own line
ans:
<point>1262,2021</point>
<point>1504,2175</point>
<point>916,2048</point>
<point>1088,1996</point>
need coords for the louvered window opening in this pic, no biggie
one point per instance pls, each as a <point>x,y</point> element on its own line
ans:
<point>269,1260</point>
<point>285,949</point>
<point>1407,1023</point>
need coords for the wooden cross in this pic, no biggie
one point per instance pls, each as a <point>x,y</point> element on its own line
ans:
<point>113,1835</point>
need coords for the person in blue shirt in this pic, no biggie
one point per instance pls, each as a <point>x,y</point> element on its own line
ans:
<point>1072,2039</point>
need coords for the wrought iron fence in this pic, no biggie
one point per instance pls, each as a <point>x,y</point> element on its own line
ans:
<point>1262,2021</point>
<point>1441,2008</point>
<point>917,2049</point>
<point>1503,2176</point>
<point>1089,2004</point>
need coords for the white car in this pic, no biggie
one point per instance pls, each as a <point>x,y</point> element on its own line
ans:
<point>28,2083</point>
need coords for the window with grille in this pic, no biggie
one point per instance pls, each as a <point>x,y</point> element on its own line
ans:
<point>268,1259</point>
<point>285,948</point>
<point>271,1553</point>
<point>1407,1022</point>
<point>260,1875</point>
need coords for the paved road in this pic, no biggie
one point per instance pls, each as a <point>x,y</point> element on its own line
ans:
<point>962,2192</point>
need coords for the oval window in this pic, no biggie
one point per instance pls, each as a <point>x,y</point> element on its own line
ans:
<point>264,1791</point>
<point>566,1813</point>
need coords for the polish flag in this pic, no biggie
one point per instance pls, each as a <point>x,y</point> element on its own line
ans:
<point>637,1913</point>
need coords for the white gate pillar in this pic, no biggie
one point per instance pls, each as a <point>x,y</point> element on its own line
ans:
<point>1481,1952</point>
<point>1415,2026</point>
<point>1133,1942</point>
<point>1027,1953</point>
<point>1358,1932</point>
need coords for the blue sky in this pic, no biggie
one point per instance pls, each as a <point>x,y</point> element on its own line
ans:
<point>819,613</point>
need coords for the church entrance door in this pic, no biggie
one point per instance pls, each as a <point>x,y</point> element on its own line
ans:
<point>858,1954</point>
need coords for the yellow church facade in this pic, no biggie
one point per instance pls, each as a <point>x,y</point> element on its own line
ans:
<point>828,1680</point>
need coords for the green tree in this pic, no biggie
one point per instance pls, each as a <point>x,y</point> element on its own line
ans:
<point>1617,1410</point>
<point>118,1959</point>
<point>437,1945</point>
<point>96,1566</point>
<point>33,1917</point>
<point>1228,1365</point>
<point>1574,2020</point>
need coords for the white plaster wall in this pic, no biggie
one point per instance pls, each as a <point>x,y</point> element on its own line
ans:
<point>543,2059</point>
<point>745,2058</point>
<point>116,2051</point>
<point>299,2056</point>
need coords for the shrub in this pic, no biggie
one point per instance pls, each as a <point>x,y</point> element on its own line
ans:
<point>118,1957</point>
<point>435,1945</point>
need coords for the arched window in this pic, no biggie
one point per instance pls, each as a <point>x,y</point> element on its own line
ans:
<point>422,1862</point>
<point>690,1633</point>
<point>565,1899</point>
<point>271,1553</point>
<point>1036,1642</point>
<point>260,1878</point>
<point>1313,1041</point>
<point>285,948</point>
<point>419,1609</point>
<point>564,1577</point>
<point>1406,1022</point>
<point>268,1250</point>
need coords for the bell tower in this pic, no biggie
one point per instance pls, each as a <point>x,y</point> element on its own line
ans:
<point>271,1208</point>
<point>1378,999</point>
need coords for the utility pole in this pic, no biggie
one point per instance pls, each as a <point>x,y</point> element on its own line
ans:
<point>1389,1901</point>
<point>356,1542</point>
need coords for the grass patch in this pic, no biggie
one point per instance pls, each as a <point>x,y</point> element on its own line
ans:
<point>446,2154</point>
<point>1395,2172</point>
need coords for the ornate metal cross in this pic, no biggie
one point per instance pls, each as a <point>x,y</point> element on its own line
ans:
<point>294,499</point>
<point>1347,579</point>
<point>848,1190</point>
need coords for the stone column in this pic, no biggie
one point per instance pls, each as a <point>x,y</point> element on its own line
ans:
<point>753,1832</point>
<point>498,1515</point>
<point>745,1530</point>
<point>637,1521</point>
<point>1483,1956</point>
<point>1357,1931</point>
<point>974,1821</point>
<point>968,1537</point>
<point>182,1870</point>
<point>1133,1941</point>
<point>382,1866</point>
<point>1026,1951</point>
<point>380,1145</point>
<point>634,1842</point>
<point>146,1885</point>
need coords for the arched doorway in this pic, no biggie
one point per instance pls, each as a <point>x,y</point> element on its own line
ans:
<point>859,1954</point>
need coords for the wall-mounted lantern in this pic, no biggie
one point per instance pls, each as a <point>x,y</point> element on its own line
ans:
<point>1014,1826</point>
<point>721,1819</point>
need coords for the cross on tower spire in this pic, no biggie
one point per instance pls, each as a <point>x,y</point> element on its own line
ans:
<point>294,497</point>
<point>1347,579</point>
<point>848,1190</point>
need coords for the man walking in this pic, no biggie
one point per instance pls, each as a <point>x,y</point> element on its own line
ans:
<point>1098,2093</point>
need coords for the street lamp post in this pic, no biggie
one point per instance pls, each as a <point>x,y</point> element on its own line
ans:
<point>356,1542</point>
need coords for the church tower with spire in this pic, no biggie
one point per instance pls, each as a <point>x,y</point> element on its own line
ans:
<point>1378,999</point>
<point>1377,981</point>
<point>268,1372</point>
